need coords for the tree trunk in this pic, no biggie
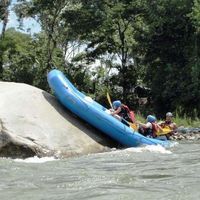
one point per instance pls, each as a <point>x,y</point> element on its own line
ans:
<point>124,53</point>
<point>5,5</point>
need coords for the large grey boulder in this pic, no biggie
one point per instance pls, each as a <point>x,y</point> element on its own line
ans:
<point>33,122</point>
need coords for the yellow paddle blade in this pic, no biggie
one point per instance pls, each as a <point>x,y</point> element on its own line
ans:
<point>164,131</point>
<point>133,126</point>
<point>109,99</point>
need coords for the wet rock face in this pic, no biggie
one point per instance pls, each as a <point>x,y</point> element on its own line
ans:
<point>33,122</point>
<point>16,151</point>
<point>186,133</point>
<point>185,130</point>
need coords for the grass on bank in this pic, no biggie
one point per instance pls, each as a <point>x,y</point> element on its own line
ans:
<point>187,122</point>
<point>180,121</point>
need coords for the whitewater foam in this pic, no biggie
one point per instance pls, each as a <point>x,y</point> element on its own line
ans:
<point>149,148</point>
<point>36,159</point>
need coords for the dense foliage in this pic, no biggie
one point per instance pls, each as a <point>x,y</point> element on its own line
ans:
<point>112,45</point>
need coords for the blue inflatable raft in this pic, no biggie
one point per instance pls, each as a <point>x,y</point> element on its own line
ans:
<point>95,114</point>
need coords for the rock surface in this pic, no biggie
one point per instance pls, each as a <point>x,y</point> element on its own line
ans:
<point>33,122</point>
<point>186,133</point>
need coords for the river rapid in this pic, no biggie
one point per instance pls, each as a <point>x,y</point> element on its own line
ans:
<point>150,172</point>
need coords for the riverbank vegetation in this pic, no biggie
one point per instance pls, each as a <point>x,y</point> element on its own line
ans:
<point>136,50</point>
<point>179,120</point>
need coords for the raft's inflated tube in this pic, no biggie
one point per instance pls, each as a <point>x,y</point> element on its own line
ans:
<point>95,114</point>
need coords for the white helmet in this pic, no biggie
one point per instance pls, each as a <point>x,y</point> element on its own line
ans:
<point>169,114</point>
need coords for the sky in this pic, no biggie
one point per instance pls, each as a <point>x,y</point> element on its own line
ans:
<point>27,23</point>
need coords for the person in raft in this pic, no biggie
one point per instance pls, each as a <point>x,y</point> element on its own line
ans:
<point>168,123</point>
<point>122,112</point>
<point>150,128</point>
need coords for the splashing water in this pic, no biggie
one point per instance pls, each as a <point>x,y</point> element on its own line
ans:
<point>35,159</point>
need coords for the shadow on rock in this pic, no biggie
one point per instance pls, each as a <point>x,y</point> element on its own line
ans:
<point>91,131</point>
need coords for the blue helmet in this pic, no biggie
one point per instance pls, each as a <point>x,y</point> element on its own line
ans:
<point>151,118</point>
<point>116,104</point>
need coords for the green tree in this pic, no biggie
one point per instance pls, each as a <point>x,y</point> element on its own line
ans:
<point>109,28</point>
<point>4,13</point>
<point>48,14</point>
<point>24,58</point>
<point>169,56</point>
<point>157,40</point>
<point>17,58</point>
<point>56,35</point>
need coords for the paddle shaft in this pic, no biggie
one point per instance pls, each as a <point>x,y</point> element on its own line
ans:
<point>109,100</point>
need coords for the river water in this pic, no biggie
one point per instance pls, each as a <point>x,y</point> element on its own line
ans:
<point>150,172</point>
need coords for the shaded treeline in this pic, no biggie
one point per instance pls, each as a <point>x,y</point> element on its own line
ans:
<point>130,42</point>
